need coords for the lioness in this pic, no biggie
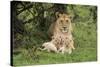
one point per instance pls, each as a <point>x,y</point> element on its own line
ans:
<point>61,29</point>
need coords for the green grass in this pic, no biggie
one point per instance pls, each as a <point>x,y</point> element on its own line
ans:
<point>85,38</point>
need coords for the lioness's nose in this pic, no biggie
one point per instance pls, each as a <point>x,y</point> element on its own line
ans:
<point>64,27</point>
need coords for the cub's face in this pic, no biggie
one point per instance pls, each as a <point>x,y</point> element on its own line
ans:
<point>63,22</point>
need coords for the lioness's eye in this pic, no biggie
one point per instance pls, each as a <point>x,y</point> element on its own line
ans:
<point>66,20</point>
<point>61,20</point>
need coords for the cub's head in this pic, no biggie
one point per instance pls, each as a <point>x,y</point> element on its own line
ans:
<point>63,22</point>
<point>44,44</point>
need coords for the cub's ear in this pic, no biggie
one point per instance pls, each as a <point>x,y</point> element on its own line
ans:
<point>58,14</point>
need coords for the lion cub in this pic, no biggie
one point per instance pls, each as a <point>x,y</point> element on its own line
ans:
<point>49,46</point>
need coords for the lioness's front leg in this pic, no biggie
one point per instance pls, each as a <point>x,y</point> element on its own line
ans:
<point>72,44</point>
<point>69,51</point>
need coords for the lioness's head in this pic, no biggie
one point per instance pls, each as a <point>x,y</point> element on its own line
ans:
<point>63,22</point>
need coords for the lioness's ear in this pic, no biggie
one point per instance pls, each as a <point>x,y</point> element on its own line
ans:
<point>70,16</point>
<point>58,14</point>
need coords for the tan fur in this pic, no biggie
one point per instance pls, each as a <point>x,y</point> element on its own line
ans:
<point>63,43</point>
